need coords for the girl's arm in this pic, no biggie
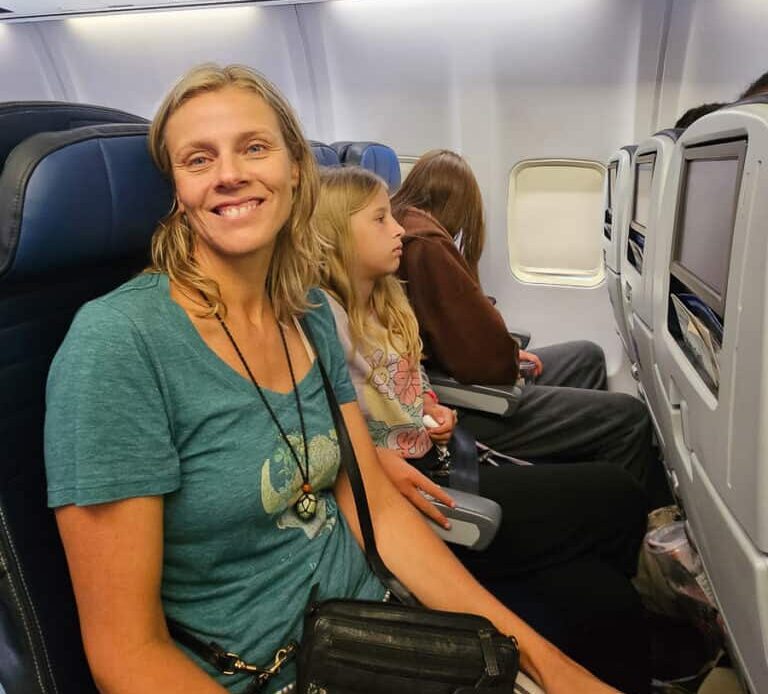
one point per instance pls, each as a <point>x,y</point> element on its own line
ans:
<point>115,552</point>
<point>424,564</point>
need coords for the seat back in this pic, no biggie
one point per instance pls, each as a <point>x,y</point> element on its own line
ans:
<point>325,155</point>
<point>617,200</point>
<point>648,177</point>
<point>710,262</point>
<point>22,119</point>
<point>77,210</point>
<point>380,159</point>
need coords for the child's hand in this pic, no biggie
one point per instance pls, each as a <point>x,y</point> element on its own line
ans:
<point>530,356</point>
<point>445,418</point>
<point>410,483</point>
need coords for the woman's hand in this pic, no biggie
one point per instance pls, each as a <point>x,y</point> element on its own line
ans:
<point>558,674</point>
<point>445,417</point>
<point>530,356</point>
<point>410,483</point>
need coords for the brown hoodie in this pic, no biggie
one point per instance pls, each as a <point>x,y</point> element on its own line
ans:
<point>463,334</point>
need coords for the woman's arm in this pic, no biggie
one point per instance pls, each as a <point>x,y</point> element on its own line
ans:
<point>114,552</point>
<point>409,481</point>
<point>424,564</point>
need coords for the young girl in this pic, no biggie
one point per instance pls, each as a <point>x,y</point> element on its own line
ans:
<point>570,534</point>
<point>190,449</point>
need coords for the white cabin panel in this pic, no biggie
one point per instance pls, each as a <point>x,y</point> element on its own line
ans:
<point>128,61</point>
<point>717,48</point>
<point>25,74</point>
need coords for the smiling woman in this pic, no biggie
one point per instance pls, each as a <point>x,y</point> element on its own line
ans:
<point>203,481</point>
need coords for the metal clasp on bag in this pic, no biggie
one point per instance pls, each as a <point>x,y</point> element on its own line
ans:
<point>237,664</point>
<point>443,467</point>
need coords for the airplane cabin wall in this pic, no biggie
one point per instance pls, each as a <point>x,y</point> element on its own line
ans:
<point>498,81</point>
<point>717,48</point>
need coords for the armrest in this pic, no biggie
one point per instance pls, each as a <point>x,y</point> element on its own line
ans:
<point>499,400</point>
<point>474,521</point>
<point>523,337</point>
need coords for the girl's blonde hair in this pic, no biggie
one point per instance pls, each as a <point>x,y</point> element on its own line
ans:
<point>293,268</point>
<point>343,192</point>
<point>441,182</point>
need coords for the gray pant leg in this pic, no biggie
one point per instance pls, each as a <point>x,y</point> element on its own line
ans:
<point>571,425</point>
<point>577,364</point>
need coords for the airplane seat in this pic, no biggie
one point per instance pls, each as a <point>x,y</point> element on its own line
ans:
<point>650,164</point>
<point>77,209</point>
<point>325,155</point>
<point>21,119</point>
<point>710,348</point>
<point>373,156</point>
<point>618,196</point>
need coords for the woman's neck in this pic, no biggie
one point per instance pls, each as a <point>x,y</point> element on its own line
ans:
<point>242,283</point>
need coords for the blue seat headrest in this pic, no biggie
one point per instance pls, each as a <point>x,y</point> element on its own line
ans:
<point>78,197</point>
<point>324,154</point>
<point>22,119</point>
<point>373,156</point>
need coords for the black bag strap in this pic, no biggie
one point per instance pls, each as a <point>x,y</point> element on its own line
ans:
<point>349,461</point>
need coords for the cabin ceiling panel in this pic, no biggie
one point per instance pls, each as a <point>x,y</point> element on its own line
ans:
<point>53,9</point>
<point>129,61</point>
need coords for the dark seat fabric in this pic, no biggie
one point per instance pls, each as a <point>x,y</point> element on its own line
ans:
<point>325,155</point>
<point>373,156</point>
<point>22,119</point>
<point>66,235</point>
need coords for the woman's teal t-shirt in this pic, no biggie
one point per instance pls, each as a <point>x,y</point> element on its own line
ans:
<point>138,405</point>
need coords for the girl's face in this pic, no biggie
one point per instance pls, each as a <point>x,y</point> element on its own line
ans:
<point>233,174</point>
<point>377,238</point>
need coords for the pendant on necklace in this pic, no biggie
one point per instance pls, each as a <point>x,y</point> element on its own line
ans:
<point>306,506</point>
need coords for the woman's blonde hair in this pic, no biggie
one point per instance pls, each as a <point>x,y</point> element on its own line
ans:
<point>293,268</point>
<point>441,182</point>
<point>343,192</point>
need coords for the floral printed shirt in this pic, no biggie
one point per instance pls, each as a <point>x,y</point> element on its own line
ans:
<point>390,391</point>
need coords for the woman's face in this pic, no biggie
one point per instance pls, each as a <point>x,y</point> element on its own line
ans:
<point>377,238</point>
<point>232,171</point>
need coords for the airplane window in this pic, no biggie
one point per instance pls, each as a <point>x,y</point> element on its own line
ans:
<point>554,206</point>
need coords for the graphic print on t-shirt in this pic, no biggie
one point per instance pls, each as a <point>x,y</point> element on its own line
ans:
<point>281,481</point>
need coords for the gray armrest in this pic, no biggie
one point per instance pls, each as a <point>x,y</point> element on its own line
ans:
<point>499,400</point>
<point>523,337</point>
<point>474,521</point>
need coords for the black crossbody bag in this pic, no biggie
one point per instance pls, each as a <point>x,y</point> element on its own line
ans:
<point>370,647</point>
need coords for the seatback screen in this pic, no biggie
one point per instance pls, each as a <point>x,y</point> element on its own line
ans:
<point>707,224</point>
<point>643,176</point>
<point>709,192</point>
<point>611,186</point>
